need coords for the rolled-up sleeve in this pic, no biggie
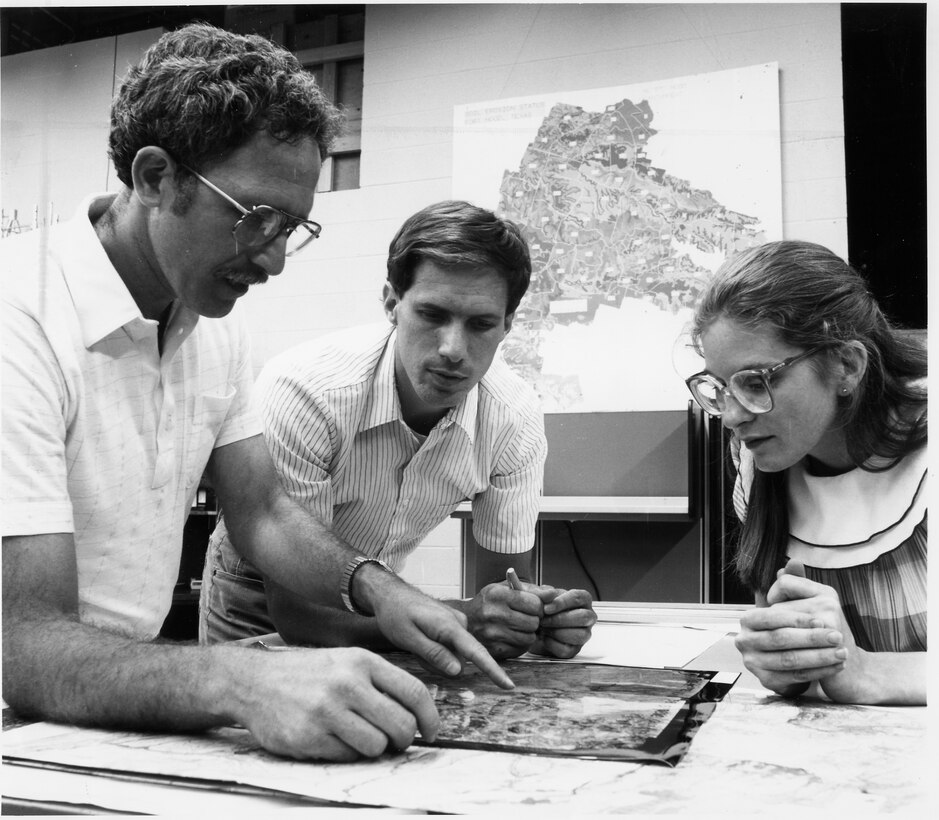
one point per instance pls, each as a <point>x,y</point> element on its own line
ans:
<point>301,438</point>
<point>504,516</point>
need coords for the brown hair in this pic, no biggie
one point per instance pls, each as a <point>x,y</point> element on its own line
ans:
<point>813,298</point>
<point>456,234</point>
<point>201,92</point>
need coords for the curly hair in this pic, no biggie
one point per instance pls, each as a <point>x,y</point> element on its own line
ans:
<point>201,92</point>
<point>813,299</point>
<point>455,234</point>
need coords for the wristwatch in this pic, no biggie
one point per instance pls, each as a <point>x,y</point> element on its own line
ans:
<point>345,585</point>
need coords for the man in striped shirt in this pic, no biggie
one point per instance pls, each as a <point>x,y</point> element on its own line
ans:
<point>382,431</point>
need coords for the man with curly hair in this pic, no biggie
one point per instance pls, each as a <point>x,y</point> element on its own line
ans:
<point>127,375</point>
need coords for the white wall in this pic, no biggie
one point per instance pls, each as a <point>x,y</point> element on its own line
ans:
<point>420,61</point>
<point>54,133</point>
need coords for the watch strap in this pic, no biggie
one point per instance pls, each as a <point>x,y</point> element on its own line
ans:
<point>345,585</point>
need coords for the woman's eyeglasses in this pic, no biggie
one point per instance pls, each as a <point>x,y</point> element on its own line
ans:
<point>750,388</point>
<point>263,224</point>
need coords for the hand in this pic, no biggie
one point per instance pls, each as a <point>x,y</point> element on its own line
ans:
<point>505,620</point>
<point>799,636</point>
<point>433,631</point>
<point>333,704</point>
<point>567,623</point>
<point>539,619</point>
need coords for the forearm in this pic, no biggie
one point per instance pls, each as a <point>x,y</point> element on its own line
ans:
<point>59,669</point>
<point>292,548</point>
<point>276,533</point>
<point>885,678</point>
<point>491,566</point>
<point>302,622</point>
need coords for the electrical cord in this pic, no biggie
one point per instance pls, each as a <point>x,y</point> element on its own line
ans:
<point>580,560</point>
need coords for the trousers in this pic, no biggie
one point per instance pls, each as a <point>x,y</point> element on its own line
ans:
<point>232,603</point>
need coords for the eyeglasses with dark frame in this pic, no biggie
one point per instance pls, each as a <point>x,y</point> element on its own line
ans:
<point>750,388</point>
<point>264,223</point>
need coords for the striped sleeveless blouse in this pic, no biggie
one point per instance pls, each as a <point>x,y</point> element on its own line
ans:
<point>863,534</point>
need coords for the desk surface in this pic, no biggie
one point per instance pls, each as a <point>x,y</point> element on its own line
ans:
<point>757,751</point>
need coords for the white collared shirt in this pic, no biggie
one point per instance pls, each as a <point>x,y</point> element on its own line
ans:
<point>103,436</point>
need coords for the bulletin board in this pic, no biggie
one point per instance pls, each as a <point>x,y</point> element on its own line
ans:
<point>629,197</point>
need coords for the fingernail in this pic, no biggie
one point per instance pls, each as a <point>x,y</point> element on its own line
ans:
<point>835,637</point>
<point>841,654</point>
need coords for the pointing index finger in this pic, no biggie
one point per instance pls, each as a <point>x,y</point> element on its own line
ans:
<point>472,650</point>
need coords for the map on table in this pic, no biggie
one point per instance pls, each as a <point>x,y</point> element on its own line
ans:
<point>573,710</point>
<point>629,197</point>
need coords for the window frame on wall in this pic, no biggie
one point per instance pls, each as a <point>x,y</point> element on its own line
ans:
<point>341,168</point>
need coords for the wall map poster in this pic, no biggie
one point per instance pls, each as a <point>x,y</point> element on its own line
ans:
<point>573,710</point>
<point>629,197</point>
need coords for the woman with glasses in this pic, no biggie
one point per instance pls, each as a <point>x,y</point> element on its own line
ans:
<point>826,402</point>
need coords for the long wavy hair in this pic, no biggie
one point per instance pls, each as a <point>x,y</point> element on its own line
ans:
<point>455,234</point>
<point>201,92</point>
<point>812,298</point>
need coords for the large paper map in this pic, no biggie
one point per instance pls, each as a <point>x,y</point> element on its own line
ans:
<point>629,198</point>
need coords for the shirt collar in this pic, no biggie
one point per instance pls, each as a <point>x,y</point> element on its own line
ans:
<point>464,414</point>
<point>102,301</point>
<point>384,405</point>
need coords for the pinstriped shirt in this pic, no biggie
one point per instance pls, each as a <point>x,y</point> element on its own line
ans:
<point>334,427</point>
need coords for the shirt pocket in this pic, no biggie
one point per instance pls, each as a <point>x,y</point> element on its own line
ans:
<point>208,416</point>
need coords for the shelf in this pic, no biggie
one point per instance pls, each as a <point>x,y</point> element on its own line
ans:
<point>577,507</point>
<point>690,615</point>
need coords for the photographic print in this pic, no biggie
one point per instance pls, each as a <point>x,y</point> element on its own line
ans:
<point>574,710</point>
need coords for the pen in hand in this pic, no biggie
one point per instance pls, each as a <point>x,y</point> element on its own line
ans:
<point>511,577</point>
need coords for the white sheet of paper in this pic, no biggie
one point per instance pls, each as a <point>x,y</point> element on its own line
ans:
<point>76,788</point>
<point>622,644</point>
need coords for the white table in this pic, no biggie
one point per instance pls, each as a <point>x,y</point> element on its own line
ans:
<point>758,755</point>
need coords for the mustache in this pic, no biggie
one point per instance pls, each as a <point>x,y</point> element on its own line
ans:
<point>247,277</point>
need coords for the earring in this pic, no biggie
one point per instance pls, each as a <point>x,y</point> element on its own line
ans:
<point>844,390</point>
